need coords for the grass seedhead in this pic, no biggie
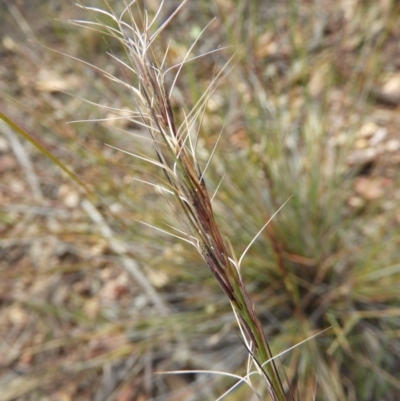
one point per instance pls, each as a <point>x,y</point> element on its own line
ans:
<point>181,175</point>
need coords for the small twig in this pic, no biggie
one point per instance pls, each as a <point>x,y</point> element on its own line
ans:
<point>23,159</point>
<point>128,263</point>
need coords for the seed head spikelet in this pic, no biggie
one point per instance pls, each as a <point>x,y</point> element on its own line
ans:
<point>184,178</point>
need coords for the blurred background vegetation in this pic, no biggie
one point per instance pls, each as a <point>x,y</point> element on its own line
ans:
<point>94,304</point>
